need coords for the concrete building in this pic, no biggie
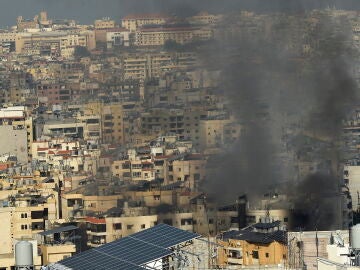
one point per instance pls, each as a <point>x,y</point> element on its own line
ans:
<point>157,36</point>
<point>204,18</point>
<point>153,65</point>
<point>352,180</point>
<point>104,23</point>
<point>26,216</point>
<point>102,230</point>
<point>14,142</point>
<point>54,43</point>
<point>53,93</point>
<point>181,122</point>
<point>108,229</point>
<point>263,244</point>
<point>305,247</point>
<point>218,131</point>
<point>113,37</point>
<point>58,243</point>
<point>133,21</point>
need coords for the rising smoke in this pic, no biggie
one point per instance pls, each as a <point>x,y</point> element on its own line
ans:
<point>286,100</point>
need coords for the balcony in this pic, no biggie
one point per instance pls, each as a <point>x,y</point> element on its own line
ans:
<point>231,260</point>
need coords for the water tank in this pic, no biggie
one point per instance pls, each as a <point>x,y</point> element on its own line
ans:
<point>23,253</point>
<point>355,236</point>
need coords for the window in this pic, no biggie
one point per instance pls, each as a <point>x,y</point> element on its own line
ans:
<point>117,226</point>
<point>235,254</point>
<point>267,255</point>
<point>37,226</point>
<point>286,219</point>
<point>255,254</point>
<point>23,215</point>
<point>24,227</point>
<point>37,214</point>
<point>143,226</point>
<point>186,221</point>
<point>126,166</point>
<point>129,226</point>
<point>136,174</point>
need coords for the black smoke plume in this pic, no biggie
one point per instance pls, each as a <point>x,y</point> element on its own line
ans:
<point>273,85</point>
<point>317,204</point>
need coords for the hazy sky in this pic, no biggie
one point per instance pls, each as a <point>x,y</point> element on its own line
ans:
<point>85,11</point>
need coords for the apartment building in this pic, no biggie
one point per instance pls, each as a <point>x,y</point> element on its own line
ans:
<point>51,93</point>
<point>171,162</point>
<point>352,181</point>
<point>54,43</point>
<point>62,155</point>
<point>83,89</point>
<point>153,65</point>
<point>8,39</point>
<point>157,36</point>
<point>16,120</point>
<point>184,123</point>
<point>216,131</point>
<point>27,215</point>
<point>108,229</point>
<point>133,21</point>
<point>79,205</point>
<point>263,244</point>
<point>304,245</point>
<point>72,71</point>
<point>117,37</point>
<point>104,23</point>
<point>113,123</point>
<point>102,230</point>
<point>189,169</point>
<point>204,18</point>
<point>117,118</point>
<point>19,86</point>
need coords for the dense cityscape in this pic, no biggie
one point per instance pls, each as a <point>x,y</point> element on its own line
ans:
<point>163,141</point>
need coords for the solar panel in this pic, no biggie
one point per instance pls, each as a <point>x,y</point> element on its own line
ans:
<point>129,252</point>
<point>93,260</point>
<point>165,236</point>
<point>129,249</point>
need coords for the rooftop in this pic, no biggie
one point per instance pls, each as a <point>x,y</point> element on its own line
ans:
<point>256,237</point>
<point>140,16</point>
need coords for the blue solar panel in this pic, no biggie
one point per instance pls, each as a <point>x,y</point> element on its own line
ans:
<point>164,236</point>
<point>93,260</point>
<point>129,249</point>
<point>129,252</point>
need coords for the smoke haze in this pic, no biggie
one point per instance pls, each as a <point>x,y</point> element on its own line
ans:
<point>270,87</point>
<point>86,11</point>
